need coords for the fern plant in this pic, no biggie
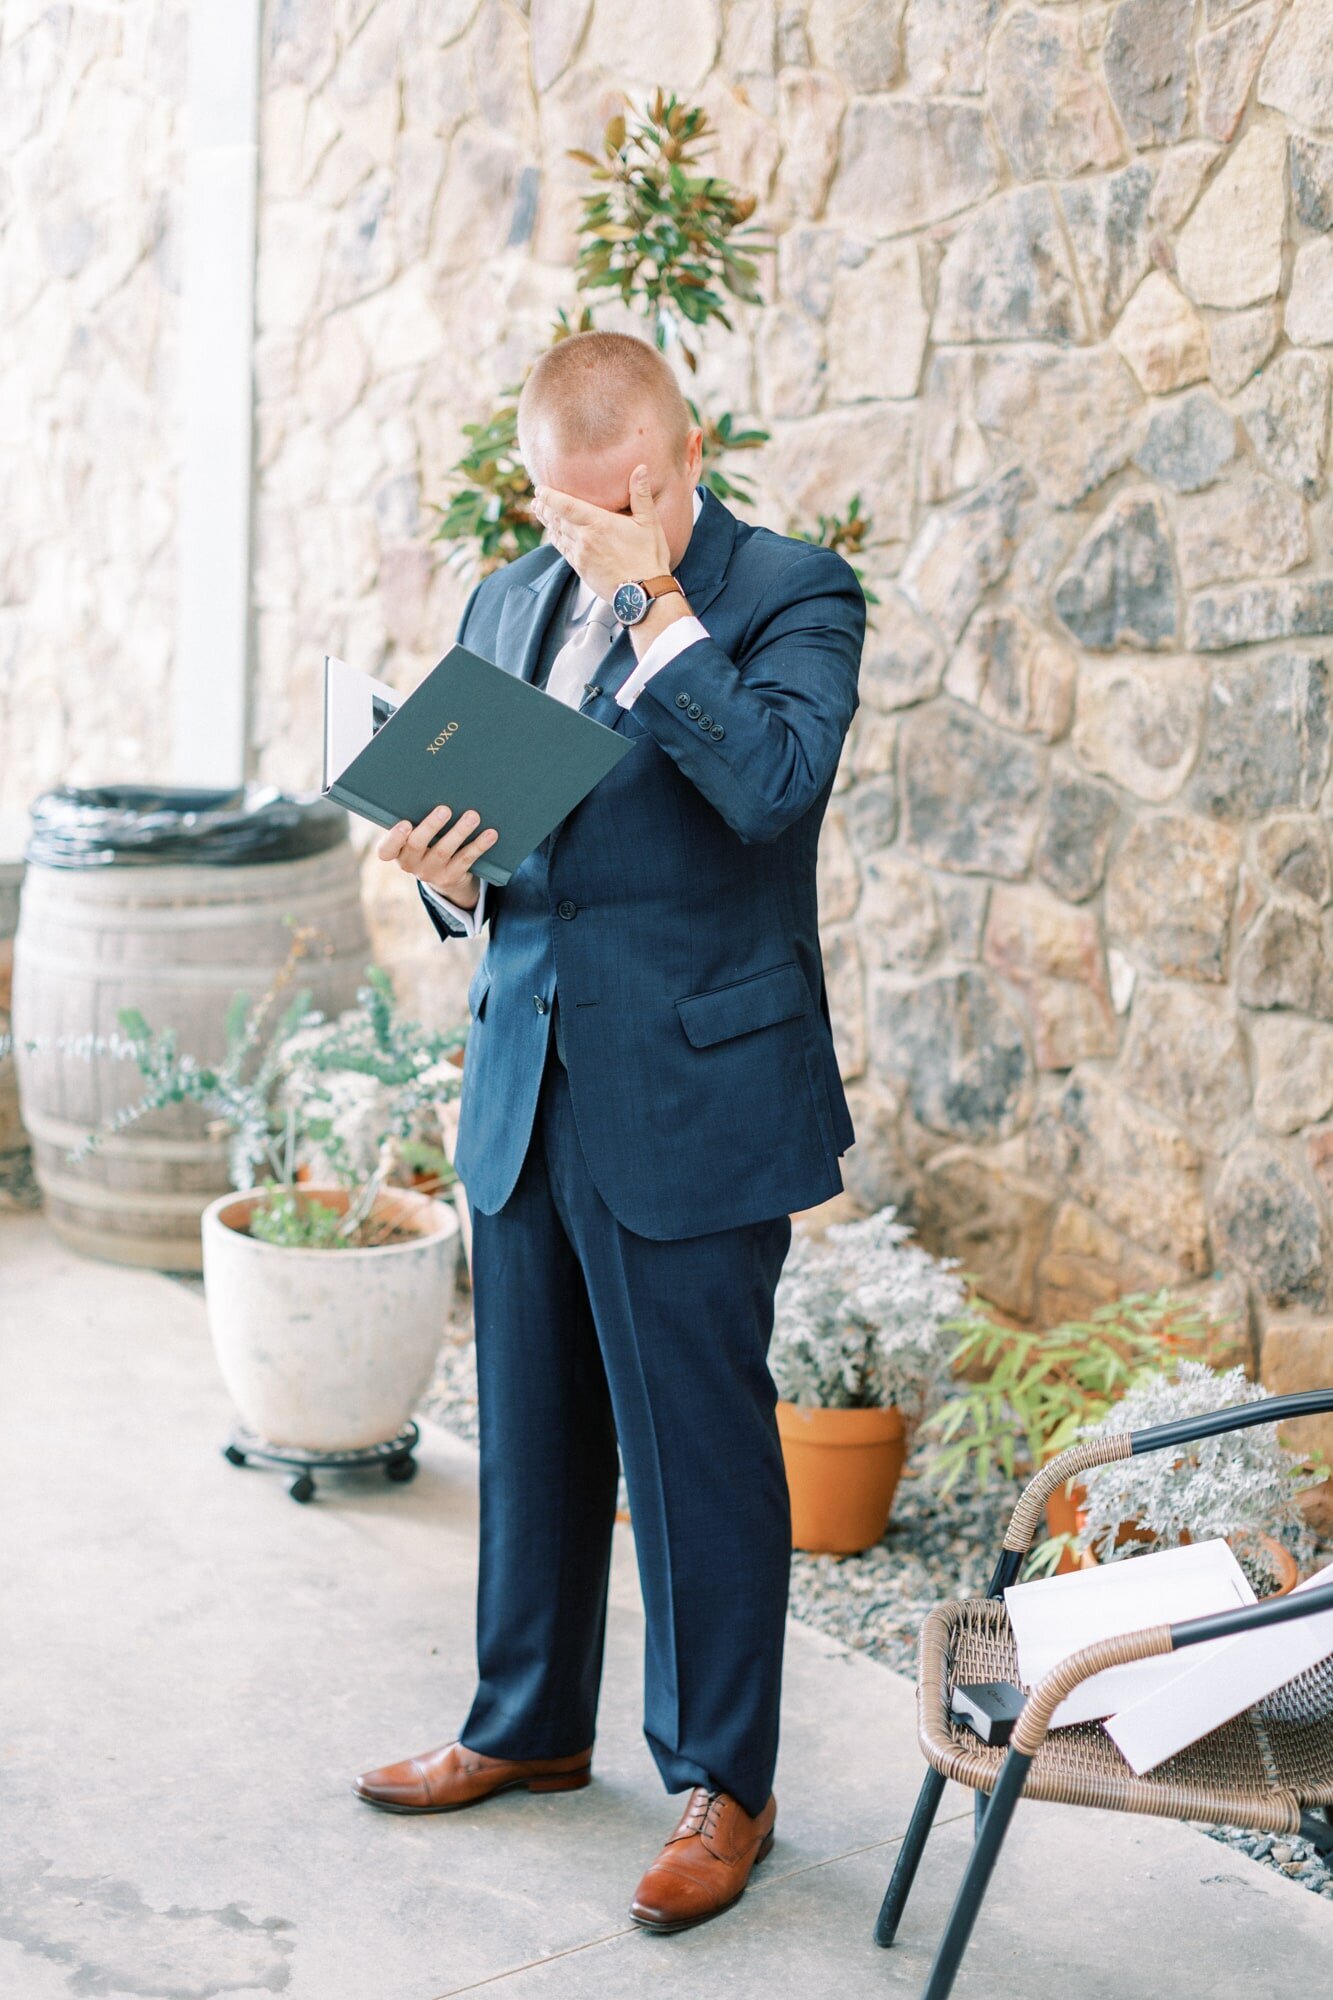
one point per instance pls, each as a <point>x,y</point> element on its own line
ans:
<point>1030,1391</point>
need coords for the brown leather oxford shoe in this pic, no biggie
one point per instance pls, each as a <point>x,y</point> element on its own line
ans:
<point>452,1776</point>
<point>706,1863</point>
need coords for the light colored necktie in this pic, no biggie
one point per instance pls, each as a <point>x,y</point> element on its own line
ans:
<point>580,656</point>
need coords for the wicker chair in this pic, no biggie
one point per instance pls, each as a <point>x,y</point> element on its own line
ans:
<point>1269,1769</point>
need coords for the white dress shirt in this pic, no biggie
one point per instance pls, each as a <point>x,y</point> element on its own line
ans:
<point>682,632</point>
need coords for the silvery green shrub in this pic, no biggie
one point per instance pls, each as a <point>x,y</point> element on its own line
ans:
<point>1239,1484</point>
<point>864,1317</point>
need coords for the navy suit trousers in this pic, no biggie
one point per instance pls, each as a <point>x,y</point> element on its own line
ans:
<point>589,1335</point>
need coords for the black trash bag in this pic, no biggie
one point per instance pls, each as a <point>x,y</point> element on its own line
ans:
<point>111,825</point>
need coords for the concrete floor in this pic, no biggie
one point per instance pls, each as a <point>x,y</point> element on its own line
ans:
<point>193,1667</point>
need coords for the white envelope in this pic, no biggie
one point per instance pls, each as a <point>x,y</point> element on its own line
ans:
<point>1213,1682</point>
<point>1058,1615</point>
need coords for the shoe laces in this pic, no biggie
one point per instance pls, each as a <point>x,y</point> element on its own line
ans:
<point>702,1813</point>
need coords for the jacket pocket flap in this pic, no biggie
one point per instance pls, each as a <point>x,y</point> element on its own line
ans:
<point>756,1002</point>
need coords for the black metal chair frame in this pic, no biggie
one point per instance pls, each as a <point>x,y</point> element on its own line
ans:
<point>994,1811</point>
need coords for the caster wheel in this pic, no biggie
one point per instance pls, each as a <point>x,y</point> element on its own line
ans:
<point>302,1488</point>
<point>400,1470</point>
<point>233,1454</point>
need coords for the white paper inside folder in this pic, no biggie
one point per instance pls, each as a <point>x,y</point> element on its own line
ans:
<point>355,706</point>
<point>1058,1615</point>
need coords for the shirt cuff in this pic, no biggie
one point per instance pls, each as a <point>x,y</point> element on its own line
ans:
<point>469,922</point>
<point>679,634</point>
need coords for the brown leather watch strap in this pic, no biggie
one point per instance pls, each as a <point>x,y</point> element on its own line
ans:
<point>660,586</point>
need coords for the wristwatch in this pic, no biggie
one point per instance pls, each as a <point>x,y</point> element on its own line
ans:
<point>631,600</point>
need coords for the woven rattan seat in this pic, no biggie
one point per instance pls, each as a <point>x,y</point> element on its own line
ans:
<point>1259,1771</point>
<point>1270,1769</point>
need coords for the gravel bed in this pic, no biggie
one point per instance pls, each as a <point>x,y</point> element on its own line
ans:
<point>934,1548</point>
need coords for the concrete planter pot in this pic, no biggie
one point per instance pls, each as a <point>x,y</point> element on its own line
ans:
<point>329,1350</point>
<point>843,1468</point>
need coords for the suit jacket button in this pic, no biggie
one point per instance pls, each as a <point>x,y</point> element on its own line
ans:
<point>539,1003</point>
<point>705,722</point>
<point>695,711</point>
<point>565,908</point>
<point>717,732</point>
<point>682,701</point>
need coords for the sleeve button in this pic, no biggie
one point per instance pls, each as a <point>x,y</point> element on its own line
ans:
<point>682,701</point>
<point>705,722</point>
<point>717,732</point>
<point>695,711</point>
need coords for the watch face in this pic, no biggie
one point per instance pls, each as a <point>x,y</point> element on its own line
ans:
<point>630,603</point>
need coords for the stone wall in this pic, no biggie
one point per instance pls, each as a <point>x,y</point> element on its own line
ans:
<point>1081,919</point>
<point>1054,292</point>
<point>90,181</point>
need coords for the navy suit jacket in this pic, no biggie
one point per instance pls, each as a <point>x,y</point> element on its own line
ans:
<point>675,906</point>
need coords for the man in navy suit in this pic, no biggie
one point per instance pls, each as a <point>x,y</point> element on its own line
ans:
<point>650,1090</point>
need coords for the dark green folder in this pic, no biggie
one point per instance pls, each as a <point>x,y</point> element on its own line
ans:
<point>501,747</point>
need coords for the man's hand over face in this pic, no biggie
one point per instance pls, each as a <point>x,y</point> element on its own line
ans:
<point>444,866</point>
<point>606,549</point>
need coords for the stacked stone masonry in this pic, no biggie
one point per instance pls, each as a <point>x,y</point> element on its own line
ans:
<point>1053,291</point>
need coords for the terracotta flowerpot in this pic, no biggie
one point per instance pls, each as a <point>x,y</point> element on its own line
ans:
<point>843,1467</point>
<point>1065,1516</point>
<point>1062,1517</point>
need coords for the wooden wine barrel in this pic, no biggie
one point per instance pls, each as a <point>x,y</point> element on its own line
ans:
<point>176,942</point>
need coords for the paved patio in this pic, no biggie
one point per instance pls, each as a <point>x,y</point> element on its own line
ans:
<point>193,1667</point>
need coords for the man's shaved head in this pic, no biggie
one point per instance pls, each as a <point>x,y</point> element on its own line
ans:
<point>591,391</point>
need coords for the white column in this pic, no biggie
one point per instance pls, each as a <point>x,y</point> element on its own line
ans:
<point>211,674</point>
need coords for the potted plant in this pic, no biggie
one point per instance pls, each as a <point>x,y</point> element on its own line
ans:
<point>328,1279</point>
<point>860,1353</point>
<point>1242,1486</point>
<point>1026,1393</point>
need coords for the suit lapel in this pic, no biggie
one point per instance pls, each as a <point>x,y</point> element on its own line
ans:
<point>524,616</point>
